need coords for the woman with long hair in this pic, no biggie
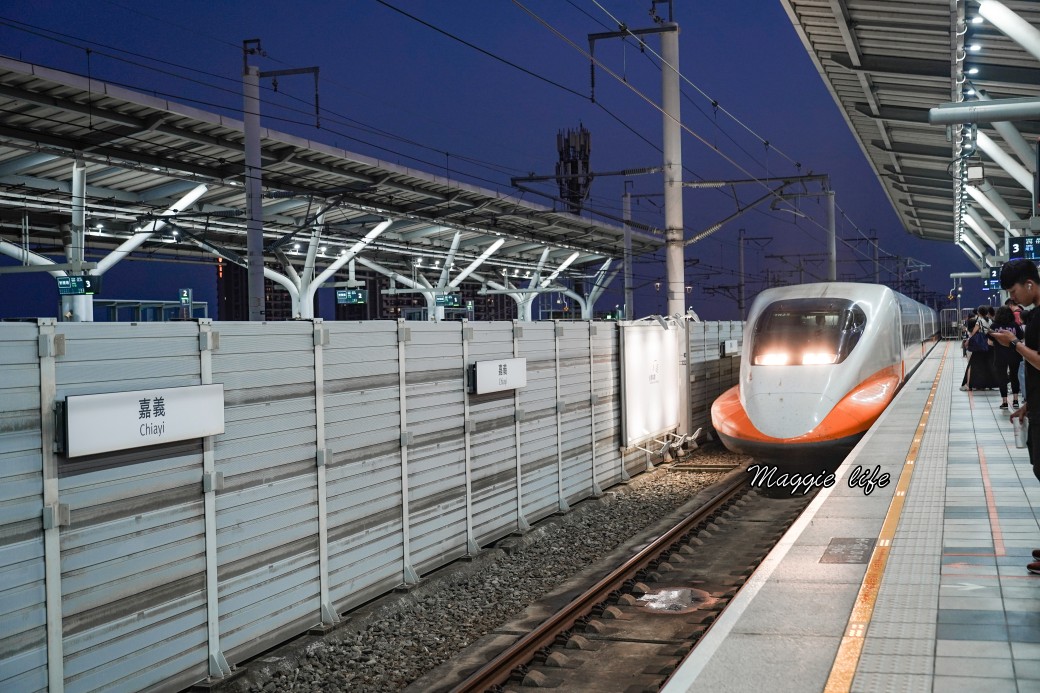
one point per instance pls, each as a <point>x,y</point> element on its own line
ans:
<point>980,374</point>
<point>1006,359</point>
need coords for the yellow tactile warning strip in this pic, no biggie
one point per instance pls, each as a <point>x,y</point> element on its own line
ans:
<point>847,659</point>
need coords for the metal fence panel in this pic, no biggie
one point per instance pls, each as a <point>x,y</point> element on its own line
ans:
<point>606,370</point>
<point>267,525</point>
<point>539,447</point>
<point>133,554</point>
<point>363,432</point>
<point>493,441</point>
<point>133,559</point>
<point>436,453</point>
<point>23,611</point>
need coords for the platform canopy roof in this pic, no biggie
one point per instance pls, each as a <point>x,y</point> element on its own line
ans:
<point>888,63</point>
<point>143,153</point>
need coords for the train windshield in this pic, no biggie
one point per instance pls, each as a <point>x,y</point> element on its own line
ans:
<point>807,331</point>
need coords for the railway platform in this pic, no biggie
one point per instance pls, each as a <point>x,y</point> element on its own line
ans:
<point>918,585</point>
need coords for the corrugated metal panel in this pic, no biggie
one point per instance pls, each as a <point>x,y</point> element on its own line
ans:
<point>538,445</point>
<point>576,417</point>
<point>23,613</point>
<point>710,373</point>
<point>606,370</point>
<point>267,524</point>
<point>133,556</point>
<point>493,440</point>
<point>362,429</point>
<point>133,560</point>
<point>436,454</point>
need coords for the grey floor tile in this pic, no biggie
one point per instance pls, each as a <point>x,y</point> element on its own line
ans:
<point>960,666</point>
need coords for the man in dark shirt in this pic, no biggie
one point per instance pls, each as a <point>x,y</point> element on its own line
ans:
<point>1022,282</point>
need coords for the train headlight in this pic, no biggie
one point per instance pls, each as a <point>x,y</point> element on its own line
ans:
<point>773,358</point>
<point>814,358</point>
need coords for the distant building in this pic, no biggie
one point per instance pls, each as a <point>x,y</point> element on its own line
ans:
<point>233,295</point>
<point>233,301</point>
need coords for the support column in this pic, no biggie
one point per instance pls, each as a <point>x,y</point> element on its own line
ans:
<point>212,481</point>
<point>253,173</point>
<point>55,514</point>
<point>557,333</point>
<point>409,575</point>
<point>323,457</point>
<point>81,307</point>
<point>832,242</point>
<point>597,491</point>
<point>673,201</point>
<point>522,524</point>
<point>740,263</point>
<point>472,548</point>
<point>627,215</point>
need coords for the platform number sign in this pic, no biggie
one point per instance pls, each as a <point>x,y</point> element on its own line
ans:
<point>448,300</point>
<point>185,296</point>
<point>351,296</point>
<point>992,282</point>
<point>84,285</point>
<point>1016,248</point>
<point>1027,247</point>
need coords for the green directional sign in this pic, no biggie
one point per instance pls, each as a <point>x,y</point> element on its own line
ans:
<point>185,296</point>
<point>352,296</point>
<point>448,300</point>
<point>79,285</point>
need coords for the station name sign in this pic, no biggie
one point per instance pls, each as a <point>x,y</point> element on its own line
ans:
<point>496,376</point>
<point>124,420</point>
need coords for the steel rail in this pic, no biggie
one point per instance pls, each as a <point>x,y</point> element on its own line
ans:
<point>498,670</point>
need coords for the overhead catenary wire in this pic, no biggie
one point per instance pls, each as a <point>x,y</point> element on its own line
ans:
<point>375,131</point>
<point>653,104</point>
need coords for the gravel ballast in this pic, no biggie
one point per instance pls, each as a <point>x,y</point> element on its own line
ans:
<point>391,642</point>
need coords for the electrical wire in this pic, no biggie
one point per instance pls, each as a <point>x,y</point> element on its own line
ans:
<point>405,140</point>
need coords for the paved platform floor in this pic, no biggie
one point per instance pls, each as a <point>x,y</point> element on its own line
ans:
<point>919,585</point>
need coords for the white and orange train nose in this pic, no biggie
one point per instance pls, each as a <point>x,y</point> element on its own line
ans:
<point>820,363</point>
<point>803,424</point>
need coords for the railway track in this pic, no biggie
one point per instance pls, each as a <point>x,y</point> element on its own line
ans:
<point>633,627</point>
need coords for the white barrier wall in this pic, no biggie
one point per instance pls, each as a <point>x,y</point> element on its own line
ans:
<point>353,460</point>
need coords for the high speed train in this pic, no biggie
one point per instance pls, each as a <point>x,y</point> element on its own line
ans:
<point>820,362</point>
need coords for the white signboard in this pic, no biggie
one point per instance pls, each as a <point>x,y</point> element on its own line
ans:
<point>650,380</point>
<point>495,376</point>
<point>122,420</point>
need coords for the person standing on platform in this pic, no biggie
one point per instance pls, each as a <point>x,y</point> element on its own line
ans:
<point>1006,359</point>
<point>980,373</point>
<point>1022,282</point>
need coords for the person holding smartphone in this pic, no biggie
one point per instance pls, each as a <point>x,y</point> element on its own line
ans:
<point>1022,282</point>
